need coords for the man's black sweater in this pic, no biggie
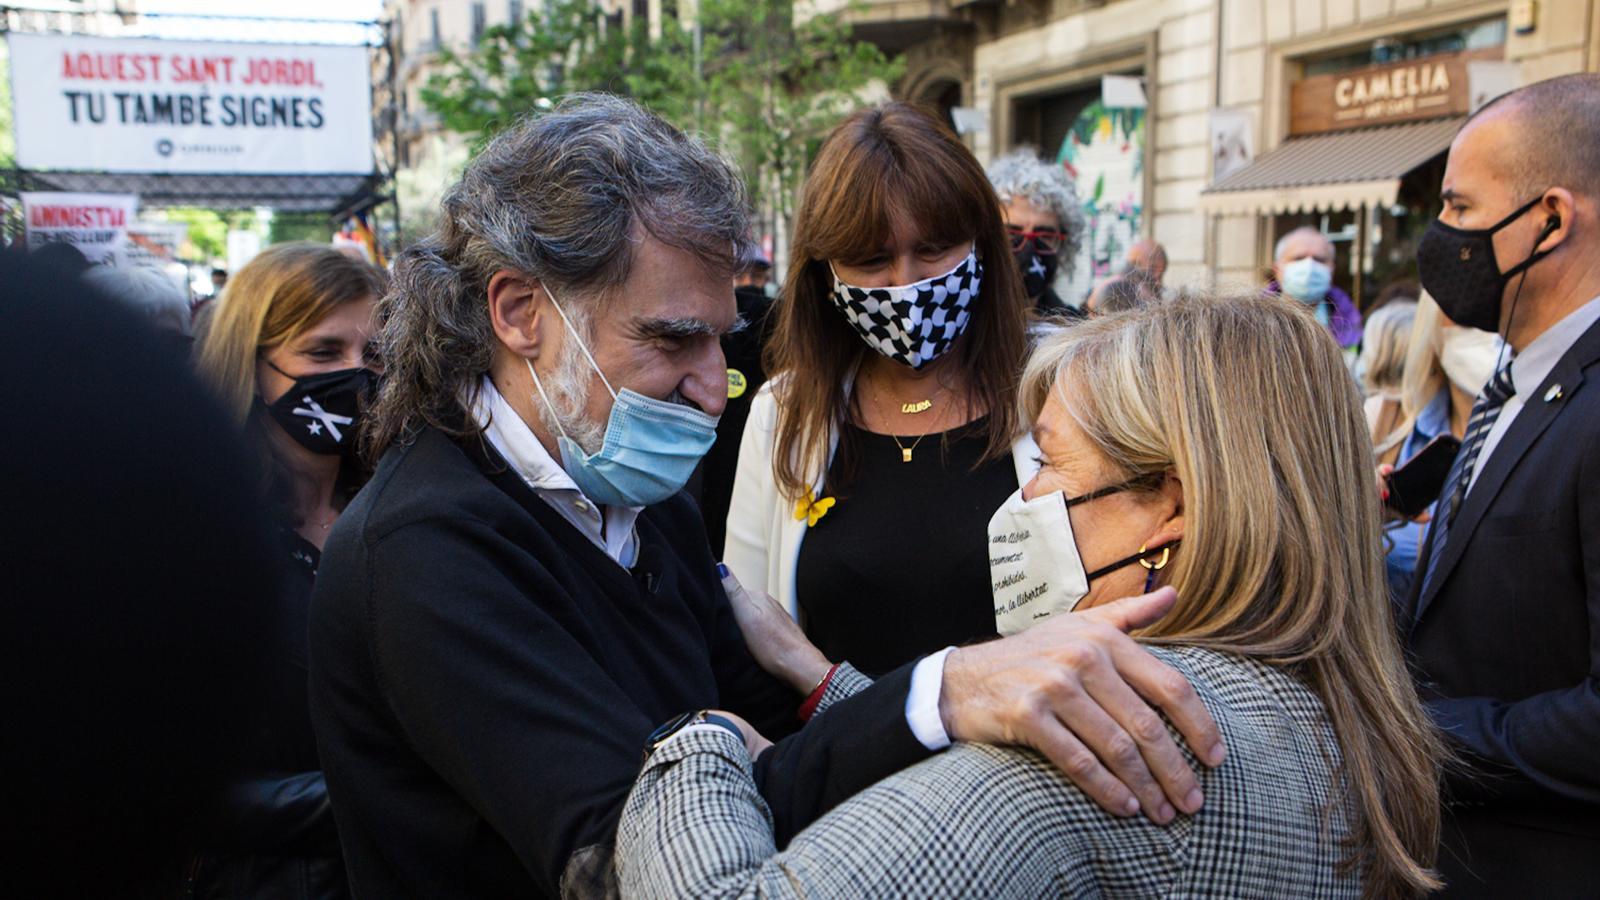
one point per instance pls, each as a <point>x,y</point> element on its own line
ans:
<point>483,679</point>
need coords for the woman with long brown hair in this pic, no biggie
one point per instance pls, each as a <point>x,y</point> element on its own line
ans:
<point>1225,430</point>
<point>290,354</point>
<point>887,435</point>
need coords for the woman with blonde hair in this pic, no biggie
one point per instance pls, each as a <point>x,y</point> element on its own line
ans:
<point>1226,431</point>
<point>1446,365</point>
<point>290,354</point>
<point>1385,335</point>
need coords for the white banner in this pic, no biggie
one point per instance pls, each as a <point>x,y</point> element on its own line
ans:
<point>94,223</point>
<point>142,105</point>
<point>153,244</point>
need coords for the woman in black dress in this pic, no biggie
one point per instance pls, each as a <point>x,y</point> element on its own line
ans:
<point>887,437</point>
<point>290,355</point>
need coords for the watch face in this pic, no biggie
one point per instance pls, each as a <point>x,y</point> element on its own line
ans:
<point>667,729</point>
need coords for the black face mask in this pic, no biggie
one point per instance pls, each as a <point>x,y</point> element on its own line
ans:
<point>1457,267</point>
<point>1038,269</point>
<point>321,412</point>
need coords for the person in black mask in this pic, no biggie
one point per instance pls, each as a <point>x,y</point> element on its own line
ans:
<point>746,375</point>
<point>1044,222</point>
<point>291,356</point>
<point>1503,615</point>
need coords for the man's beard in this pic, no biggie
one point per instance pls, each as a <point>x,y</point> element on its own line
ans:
<point>568,390</point>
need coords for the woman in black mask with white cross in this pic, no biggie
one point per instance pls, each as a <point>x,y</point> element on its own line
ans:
<point>290,355</point>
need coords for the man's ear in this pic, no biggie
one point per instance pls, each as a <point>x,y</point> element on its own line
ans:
<point>1560,208</point>
<point>518,306</point>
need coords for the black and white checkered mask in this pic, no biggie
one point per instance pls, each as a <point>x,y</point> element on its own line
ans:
<point>913,323</point>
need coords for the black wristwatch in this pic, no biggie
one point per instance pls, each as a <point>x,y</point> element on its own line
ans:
<point>679,722</point>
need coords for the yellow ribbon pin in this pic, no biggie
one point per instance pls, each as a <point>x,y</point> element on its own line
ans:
<point>812,509</point>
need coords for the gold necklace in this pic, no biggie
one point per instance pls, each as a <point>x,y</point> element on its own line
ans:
<point>905,452</point>
<point>922,406</point>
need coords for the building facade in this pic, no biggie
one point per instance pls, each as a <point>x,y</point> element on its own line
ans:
<point>1378,87</point>
<point>1205,90</point>
<point>428,158</point>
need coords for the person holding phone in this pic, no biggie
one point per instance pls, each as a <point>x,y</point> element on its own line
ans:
<point>1446,364</point>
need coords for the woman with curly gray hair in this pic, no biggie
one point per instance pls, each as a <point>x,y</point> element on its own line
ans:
<point>1044,222</point>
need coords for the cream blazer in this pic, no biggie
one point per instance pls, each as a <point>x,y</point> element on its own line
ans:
<point>762,546</point>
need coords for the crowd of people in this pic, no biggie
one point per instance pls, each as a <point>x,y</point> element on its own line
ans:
<point>906,577</point>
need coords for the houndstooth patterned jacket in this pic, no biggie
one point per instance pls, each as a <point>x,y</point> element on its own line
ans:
<point>982,821</point>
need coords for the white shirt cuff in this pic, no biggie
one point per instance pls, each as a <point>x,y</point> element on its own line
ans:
<point>922,701</point>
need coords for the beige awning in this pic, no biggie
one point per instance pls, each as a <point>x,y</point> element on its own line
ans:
<point>1330,172</point>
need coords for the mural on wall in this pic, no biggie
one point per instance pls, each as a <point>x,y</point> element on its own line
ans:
<point>1104,153</point>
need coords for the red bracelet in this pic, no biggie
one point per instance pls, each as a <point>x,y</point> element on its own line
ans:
<point>809,708</point>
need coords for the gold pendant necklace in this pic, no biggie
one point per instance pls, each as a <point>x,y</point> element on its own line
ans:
<point>912,409</point>
<point>905,452</point>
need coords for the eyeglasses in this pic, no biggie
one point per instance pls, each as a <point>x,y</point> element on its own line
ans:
<point>1046,241</point>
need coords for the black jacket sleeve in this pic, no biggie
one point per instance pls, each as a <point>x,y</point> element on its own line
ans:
<point>527,728</point>
<point>497,698</point>
<point>1549,738</point>
<point>862,739</point>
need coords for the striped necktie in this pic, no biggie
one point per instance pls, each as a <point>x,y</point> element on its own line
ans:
<point>1484,413</point>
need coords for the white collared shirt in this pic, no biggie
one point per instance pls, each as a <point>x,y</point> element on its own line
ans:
<point>611,528</point>
<point>1529,370</point>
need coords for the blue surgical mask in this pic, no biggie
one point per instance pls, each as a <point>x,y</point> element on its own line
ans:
<point>1307,280</point>
<point>650,448</point>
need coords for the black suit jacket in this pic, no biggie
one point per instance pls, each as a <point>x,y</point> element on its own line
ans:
<point>1505,641</point>
<point>483,679</point>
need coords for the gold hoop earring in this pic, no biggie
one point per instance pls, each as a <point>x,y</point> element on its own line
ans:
<point>1158,565</point>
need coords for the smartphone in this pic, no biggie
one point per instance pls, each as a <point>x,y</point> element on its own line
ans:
<point>1418,483</point>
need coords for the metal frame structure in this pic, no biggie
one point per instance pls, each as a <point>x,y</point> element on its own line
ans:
<point>339,195</point>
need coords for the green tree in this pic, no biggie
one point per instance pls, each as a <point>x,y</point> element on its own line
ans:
<point>744,74</point>
<point>563,46</point>
<point>208,231</point>
<point>299,226</point>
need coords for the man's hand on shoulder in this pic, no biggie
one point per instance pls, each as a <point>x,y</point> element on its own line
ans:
<point>1079,690</point>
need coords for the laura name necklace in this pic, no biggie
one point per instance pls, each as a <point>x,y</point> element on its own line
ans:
<point>912,409</point>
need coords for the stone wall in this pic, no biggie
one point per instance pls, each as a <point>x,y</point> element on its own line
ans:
<point>1174,41</point>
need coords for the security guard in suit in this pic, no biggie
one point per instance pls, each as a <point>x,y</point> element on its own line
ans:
<point>1503,621</point>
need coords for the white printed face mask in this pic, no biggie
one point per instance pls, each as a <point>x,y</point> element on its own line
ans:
<point>916,323</point>
<point>1034,565</point>
<point>1468,356</point>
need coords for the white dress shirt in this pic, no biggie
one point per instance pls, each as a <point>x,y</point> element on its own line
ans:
<point>611,528</point>
<point>1529,370</point>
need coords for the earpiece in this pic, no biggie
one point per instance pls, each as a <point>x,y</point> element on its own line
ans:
<point>1550,225</point>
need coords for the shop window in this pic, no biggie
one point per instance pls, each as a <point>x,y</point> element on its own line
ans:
<point>1488,33</point>
<point>1103,150</point>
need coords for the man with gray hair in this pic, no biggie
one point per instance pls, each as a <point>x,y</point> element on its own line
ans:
<point>1044,222</point>
<point>521,592</point>
<point>1302,269</point>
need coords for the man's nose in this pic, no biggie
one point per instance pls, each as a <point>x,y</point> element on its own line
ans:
<point>707,386</point>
